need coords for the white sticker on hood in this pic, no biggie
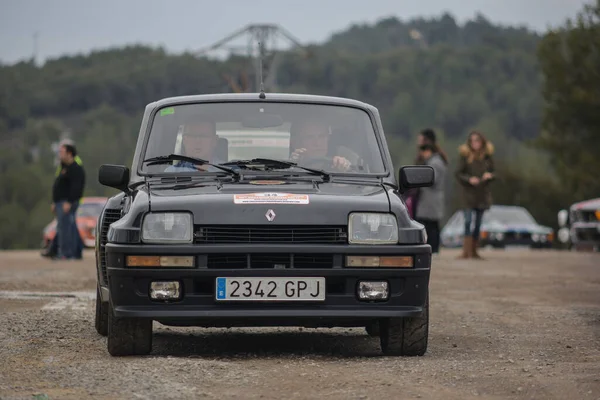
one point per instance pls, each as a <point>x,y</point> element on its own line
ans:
<point>270,198</point>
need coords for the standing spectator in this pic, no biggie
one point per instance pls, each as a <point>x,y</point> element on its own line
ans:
<point>60,164</point>
<point>426,136</point>
<point>66,193</point>
<point>474,173</point>
<point>432,199</point>
<point>53,248</point>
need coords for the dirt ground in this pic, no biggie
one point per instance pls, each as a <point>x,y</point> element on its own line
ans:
<point>520,325</point>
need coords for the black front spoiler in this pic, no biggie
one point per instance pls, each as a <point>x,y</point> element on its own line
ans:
<point>129,288</point>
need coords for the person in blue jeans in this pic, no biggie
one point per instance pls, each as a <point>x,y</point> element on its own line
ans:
<point>474,172</point>
<point>66,193</point>
<point>52,250</point>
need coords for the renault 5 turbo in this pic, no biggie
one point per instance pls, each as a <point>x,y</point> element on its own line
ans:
<point>262,210</point>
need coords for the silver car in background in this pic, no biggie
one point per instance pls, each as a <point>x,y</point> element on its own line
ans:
<point>502,226</point>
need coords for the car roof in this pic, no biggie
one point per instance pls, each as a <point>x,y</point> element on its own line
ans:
<point>587,204</point>
<point>283,97</point>
<point>505,207</point>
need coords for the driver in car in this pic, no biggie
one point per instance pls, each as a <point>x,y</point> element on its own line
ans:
<point>311,142</point>
<point>199,140</point>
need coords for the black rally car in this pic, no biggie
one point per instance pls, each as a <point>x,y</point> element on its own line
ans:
<point>262,210</point>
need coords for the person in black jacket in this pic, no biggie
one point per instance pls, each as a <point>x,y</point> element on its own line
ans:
<point>66,193</point>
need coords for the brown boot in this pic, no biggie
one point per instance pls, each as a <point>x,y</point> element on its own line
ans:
<point>474,246</point>
<point>466,249</point>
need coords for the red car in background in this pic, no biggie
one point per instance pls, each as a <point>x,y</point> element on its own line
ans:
<point>87,217</point>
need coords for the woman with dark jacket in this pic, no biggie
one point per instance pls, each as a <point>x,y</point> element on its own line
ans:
<point>474,172</point>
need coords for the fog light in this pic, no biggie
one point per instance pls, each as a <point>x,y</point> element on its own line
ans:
<point>373,290</point>
<point>166,290</point>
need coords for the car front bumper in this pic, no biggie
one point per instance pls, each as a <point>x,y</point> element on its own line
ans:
<point>129,287</point>
<point>586,234</point>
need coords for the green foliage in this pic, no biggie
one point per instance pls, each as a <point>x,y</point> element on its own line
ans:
<point>570,62</point>
<point>452,87</point>
<point>14,226</point>
<point>391,33</point>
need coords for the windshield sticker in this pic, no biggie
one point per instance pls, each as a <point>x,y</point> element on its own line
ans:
<point>270,198</point>
<point>167,111</point>
<point>267,182</point>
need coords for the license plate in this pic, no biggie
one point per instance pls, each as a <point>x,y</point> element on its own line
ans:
<point>270,289</point>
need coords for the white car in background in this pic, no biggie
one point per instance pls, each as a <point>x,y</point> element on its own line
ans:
<point>580,225</point>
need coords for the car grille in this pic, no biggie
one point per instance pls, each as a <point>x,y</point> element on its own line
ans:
<point>110,215</point>
<point>510,235</point>
<point>268,261</point>
<point>271,234</point>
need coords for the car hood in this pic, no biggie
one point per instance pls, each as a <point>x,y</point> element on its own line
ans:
<point>592,204</point>
<point>516,227</point>
<point>301,203</point>
<point>87,221</point>
<point>499,227</point>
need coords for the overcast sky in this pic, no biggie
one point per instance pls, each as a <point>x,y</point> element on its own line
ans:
<point>74,26</point>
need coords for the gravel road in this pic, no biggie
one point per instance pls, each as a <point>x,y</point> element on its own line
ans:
<point>520,325</point>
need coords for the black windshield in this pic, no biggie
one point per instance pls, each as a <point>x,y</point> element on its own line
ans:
<point>308,135</point>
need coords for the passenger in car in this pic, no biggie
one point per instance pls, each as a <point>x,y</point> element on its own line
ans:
<point>199,141</point>
<point>310,141</point>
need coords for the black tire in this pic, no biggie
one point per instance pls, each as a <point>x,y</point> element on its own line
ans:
<point>405,336</point>
<point>101,314</point>
<point>128,336</point>
<point>373,329</point>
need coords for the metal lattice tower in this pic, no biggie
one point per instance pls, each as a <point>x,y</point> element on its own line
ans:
<point>262,40</point>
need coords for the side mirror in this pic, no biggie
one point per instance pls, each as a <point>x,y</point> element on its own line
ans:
<point>416,176</point>
<point>115,176</point>
<point>563,218</point>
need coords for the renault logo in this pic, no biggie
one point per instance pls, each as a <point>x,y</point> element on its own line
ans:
<point>270,215</point>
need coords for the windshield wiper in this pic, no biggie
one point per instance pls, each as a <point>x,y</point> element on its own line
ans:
<point>196,161</point>
<point>278,164</point>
